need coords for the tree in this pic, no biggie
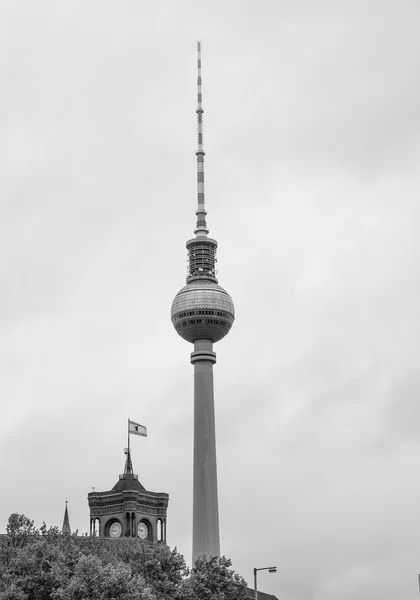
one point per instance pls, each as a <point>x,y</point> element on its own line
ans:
<point>211,579</point>
<point>94,581</point>
<point>46,565</point>
<point>161,568</point>
<point>20,530</point>
<point>12,592</point>
<point>37,569</point>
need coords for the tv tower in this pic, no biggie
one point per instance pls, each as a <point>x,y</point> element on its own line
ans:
<point>203,313</point>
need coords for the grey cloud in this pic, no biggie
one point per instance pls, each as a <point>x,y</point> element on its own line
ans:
<point>312,140</point>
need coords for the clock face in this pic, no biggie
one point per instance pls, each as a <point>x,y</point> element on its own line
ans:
<point>115,530</point>
<point>142,530</point>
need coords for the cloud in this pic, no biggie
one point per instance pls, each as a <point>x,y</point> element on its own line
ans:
<point>312,140</point>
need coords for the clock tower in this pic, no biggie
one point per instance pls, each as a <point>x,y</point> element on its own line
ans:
<point>129,510</point>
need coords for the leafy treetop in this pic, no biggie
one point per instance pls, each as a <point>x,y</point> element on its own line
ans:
<point>43,564</point>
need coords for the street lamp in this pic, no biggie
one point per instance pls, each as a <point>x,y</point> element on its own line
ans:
<point>269,569</point>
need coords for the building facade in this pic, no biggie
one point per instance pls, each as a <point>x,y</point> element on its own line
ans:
<point>129,510</point>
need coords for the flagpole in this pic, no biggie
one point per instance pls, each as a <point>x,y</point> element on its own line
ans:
<point>128,436</point>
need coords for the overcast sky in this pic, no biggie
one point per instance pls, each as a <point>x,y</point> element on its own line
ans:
<point>312,134</point>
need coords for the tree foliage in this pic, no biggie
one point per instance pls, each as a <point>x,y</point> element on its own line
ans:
<point>212,579</point>
<point>43,564</point>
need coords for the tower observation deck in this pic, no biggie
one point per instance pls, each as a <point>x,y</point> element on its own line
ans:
<point>203,313</point>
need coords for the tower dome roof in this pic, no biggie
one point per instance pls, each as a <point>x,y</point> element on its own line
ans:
<point>202,310</point>
<point>128,481</point>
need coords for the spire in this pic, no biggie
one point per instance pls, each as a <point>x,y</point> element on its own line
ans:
<point>201,249</point>
<point>66,522</point>
<point>128,469</point>
<point>201,229</point>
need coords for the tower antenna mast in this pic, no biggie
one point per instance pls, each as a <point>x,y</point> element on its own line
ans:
<point>201,229</point>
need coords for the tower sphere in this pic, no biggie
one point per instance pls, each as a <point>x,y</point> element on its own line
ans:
<point>202,310</point>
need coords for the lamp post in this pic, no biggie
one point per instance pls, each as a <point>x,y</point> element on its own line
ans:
<point>269,569</point>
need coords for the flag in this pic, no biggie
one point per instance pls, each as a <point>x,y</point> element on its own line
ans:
<point>136,428</point>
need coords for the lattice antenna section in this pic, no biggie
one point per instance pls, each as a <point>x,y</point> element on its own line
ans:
<point>202,259</point>
<point>201,229</point>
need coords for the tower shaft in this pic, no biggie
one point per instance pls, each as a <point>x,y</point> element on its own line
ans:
<point>206,540</point>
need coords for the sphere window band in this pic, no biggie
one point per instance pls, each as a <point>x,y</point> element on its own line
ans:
<point>192,313</point>
<point>194,321</point>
